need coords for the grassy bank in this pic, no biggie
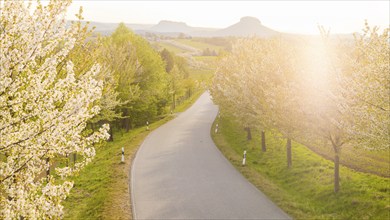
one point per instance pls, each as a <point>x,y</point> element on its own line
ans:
<point>306,190</point>
<point>375,162</point>
<point>101,190</point>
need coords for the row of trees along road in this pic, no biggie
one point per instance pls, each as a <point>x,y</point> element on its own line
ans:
<point>316,91</point>
<point>61,93</point>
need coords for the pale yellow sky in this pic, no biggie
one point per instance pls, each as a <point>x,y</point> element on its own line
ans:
<point>285,16</point>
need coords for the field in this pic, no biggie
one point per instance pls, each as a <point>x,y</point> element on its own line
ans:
<point>306,190</point>
<point>177,50</point>
<point>186,46</point>
<point>199,45</point>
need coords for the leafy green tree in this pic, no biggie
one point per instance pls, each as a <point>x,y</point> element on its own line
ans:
<point>176,85</point>
<point>141,76</point>
<point>168,59</point>
<point>119,55</point>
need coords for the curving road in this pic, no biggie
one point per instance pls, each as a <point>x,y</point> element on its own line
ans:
<point>179,173</point>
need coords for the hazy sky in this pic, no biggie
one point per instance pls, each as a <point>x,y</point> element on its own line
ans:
<point>286,16</point>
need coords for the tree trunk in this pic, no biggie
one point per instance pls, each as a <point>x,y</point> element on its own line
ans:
<point>111,138</point>
<point>127,124</point>
<point>74,158</point>
<point>126,120</point>
<point>336,144</point>
<point>263,147</point>
<point>123,121</point>
<point>288,146</point>
<point>173,101</point>
<point>336,173</point>
<point>248,133</point>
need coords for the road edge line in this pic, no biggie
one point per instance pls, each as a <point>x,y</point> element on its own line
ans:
<point>132,177</point>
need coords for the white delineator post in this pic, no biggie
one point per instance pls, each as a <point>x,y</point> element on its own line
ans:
<point>147,125</point>
<point>216,128</point>
<point>123,155</point>
<point>244,159</point>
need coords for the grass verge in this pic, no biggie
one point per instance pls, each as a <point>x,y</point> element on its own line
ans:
<point>375,162</point>
<point>101,190</point>
<point>304,191</point>
<point>188,102</point>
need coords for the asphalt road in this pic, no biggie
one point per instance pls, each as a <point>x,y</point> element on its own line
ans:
<point>179,173</point>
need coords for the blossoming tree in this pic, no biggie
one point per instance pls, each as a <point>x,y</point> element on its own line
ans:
<point>367,89</point>
<point>44,107</point>
<point>230,90</point>
<point>256,82</point>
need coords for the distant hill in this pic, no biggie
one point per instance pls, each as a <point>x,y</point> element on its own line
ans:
<point>109,28</point>
<point>139,26</point>
<point>166,28</point>
<point>247,26</point>
<point>103,28</point>
<point>170,26</point>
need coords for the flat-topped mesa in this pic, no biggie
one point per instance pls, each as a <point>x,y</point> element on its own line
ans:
<point>247,26</point>
<point>250,20</point>
<point>171,26</point>
<point>166,22</point>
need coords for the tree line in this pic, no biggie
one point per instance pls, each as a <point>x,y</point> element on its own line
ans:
<point>141,84</point>
<point>313,91</point>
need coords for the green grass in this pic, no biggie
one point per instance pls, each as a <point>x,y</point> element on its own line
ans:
<point>101,189</point>
<point>188,102</point>
<point>170,47</point>
<point>304,191</point>
<point>209,62</point>
<point>96,186</point>
<point>188,42</point>
<point>205,71</point>
<point>202,75</point>
<point>376,162</point>
<point>199,45</point>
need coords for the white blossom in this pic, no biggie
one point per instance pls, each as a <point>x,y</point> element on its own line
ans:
<point>44,107</point>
